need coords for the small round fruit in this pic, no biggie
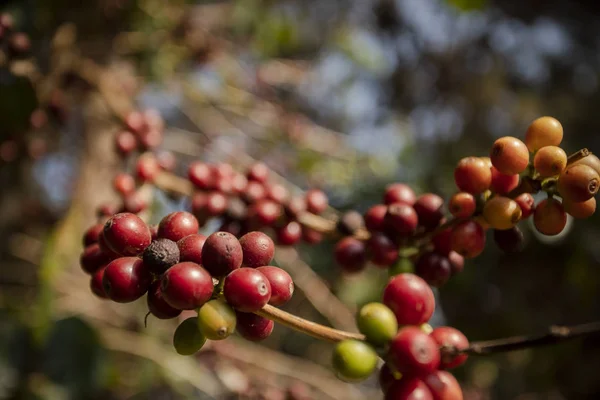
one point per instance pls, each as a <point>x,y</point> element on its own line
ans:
<point>92,234</point>
<point>409,389</point>
<point>147,167</point>
<point>544,131</point>
<point>253,327</point>
<point>187,338</point>
<point>399,193</point>
<point>201,175</point>
<point>502,212</point>
<point>430,209</point>
<point>265,212</point>
<point>468,239</point>
<point>161,255</point>
<point>92,258</point>
<point>472,175</point>
<point>383,251</point>
<point>126,234</point>
<point>350,222</point>
<point>526,203</point>
<point>434,268</point>
<point>509,155</point>
<point>190,248</point>
<point>580,210</point>
<point>351,254</point>
<point>96,283</point>
<point>157,304</point>
<point>446,336</point>
<point>316,201</point>
<point>550,217</point>
<point>247,289</point>
<point>126,279</point>
<point>282,285</point>
<point>374,217</point>
<point>503,184</point>
<point>410,298</point>
<point>216,320</point>
<point>178,225</point>
<point>289,234</point>
<point>402,266</point>
<point>550,161</point>
<point>258,172</point>
<point>378,323</point>
<point>591,161</point>
<point>124,184</point>
<point>294,207</point>
<point>354,360</point>
<point>509,240</point>
<point>578,183</point>
<point>221,254</point>
<point>258,249</point>
<point>413,352</point>
<point>443,386</point>
<point>311,236</point>
<point>186,286</point>
<point>462,205</point>
<point>401,219</point>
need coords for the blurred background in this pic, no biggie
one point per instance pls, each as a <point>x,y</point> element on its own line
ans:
<point>344,95</point>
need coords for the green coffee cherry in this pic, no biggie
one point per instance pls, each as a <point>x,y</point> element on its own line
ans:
<point>402,266</point>
<point>187,338</point>
<point>354,360</point>
<point>378,323</point>
<point>216,320</point>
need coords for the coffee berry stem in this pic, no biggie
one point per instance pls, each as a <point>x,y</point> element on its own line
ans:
<point>581,154</point>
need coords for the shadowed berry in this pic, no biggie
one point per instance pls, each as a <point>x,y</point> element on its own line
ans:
<point>221,254</point>
<point>509,240</point>
<point>282,286</point>
<point>430,209</point>
<point>382,250</point>
<point>401,219</point>
<point>186,286</point>
<point>350,254</point>
<point>157,304</point>
<point>190,248</point>
<point>409,389</point>
<point>96,283</point>
<point>503,184</point>
<point>247,289</point>
<point>294,207</point>
<point>550,217</point>
<point>526,203</point>
<point>92,234</point>
<point>374,217</point>
<point>442,242</point>
<point>434,268</point>
<point>187,338</point>
<point>92,258</point>
<point>126,279</point>
<point>578,183</point>
<point>387,377</point>
<point>253,327</point>
<point>311,236</point>
<point>580,210</point>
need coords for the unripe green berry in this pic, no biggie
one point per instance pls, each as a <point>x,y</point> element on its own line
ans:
<point>354,360</point>
<point>378,323</point>
<point>216,320</point>
<point>187,338</point>
<point>402,266</point>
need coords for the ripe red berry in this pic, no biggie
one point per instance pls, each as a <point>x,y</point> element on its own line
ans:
<point>258,249</point>
<point>580,210</point>
<point>383,251</point>
<point>265,212</point>
<point>125,142</point>
<point>201,175</point>
<point>316,201</point>
<point>544,131</point>
<point>221,254</point>
<point>126,234</point>
<point>190,248</point>
<point>124,184</point>
<point>311,236</point>
<point>413,352</point>
<point>282,286</point>
<point>277,192</point>
<point>446,336</point>
<point>401,219</point>
<point>374,218</point>
<point>161,255</point>
<point>409,389</point>
<point>96,283</point>
<point>157,304</point>
<point>135,122</point>
<point>253,327</point>
<point>509,240</point>
<point>147,167</point>
<point>442,242</point>
<point>578,183</point>
<point>126,279</point>
<point>247,289</point>
<point>550,217</point>
<point>254,192</point>
<point>178,225</point>
<point>216,203</point>
<point>503,184</point>
<point>92,258</point>
<point>104,246</point>
<point>509,155</point>
<point>443,386</point>
<point>289,234</point>
<point>399,193</point>
<point>472,175</point>
<point>92,234</point>
<point>430,209</point>
<point>434,268</point>
<point>526,203</point>
<point>258,172</point>
<point>462,205</point>
<point>186,286</point>
<point>351,254</point>
<point>166,160</point>
<point>468,239</point>
<point>550,161</point>
<point>410,298</point>
<point>294,207</point>
<point>135,202</point>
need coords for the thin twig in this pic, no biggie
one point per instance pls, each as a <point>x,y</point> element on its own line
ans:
<point>573,158</point>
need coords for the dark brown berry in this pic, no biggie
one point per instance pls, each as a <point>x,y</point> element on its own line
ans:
<point>161,255</point>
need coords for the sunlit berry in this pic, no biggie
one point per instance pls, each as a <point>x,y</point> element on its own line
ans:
<point>509,155</point>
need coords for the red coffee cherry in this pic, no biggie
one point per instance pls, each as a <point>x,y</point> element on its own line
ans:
<point>468,239</point>
<point>265,212</point>
<point>401,219</point>
<point>289,234</point>
<point>247,290</point>
<point>446,336</point>
<point>413,352</point>
<point>399,193</point>
<point>186,286</point>
<point>125,142</point>
<point>92,234</point>
<point>509,240</point>
<point>442,242</point>
<point>580,210</point>
<point>135,203</point>
<point>126,234</point>
<point>104,247</point>
<point>190,248</point>
<point>124,184</point>
<point>311,236</point>
<point>277,192</point>
<point>550,217</point>
<point>544,131</point>
<point>578,183</point>
<point>96,283</point>
<point>550,161</point>
<point>238,183</point>
<point>147,167</point>
<point>216,204</point>
<point>201,175</point>
<point>221,254</point>
<point>258,249</point>
<point>254,192</point>
<point>166,160</point>
<point>157,304</point>
<point>501,212</point>
<point>135,122</point>
<point>457,262</point>
<point>526,203</point>
<point>351,254</point>
<point>294,207</point>
<point>92,258</point>
<point>462,205</point>
<point>316,201</point>
<point>107,210</point>
<point>503,184</point>
<point>258,172</point>
<point>178,225</point>
<point>430,209</point>
<point>161,255</point>
<point>472,175</point>
<point>150,140</point>
<point>409,389</point>
<point>374,218</point>
<point>383,251</point>
<point>126,279</point>
<point>443,386</point>
<point>434,268</point>
<point>509,155</point>
<point>282,286</point>
<point>410,298</point>
<point>253,327</point>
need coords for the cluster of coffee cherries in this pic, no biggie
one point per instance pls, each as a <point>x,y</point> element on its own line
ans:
<point>14,44</point>
<point>142,131</point>
<point>225,279</point>
<point>495,193</point>
<point>416,356</point>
